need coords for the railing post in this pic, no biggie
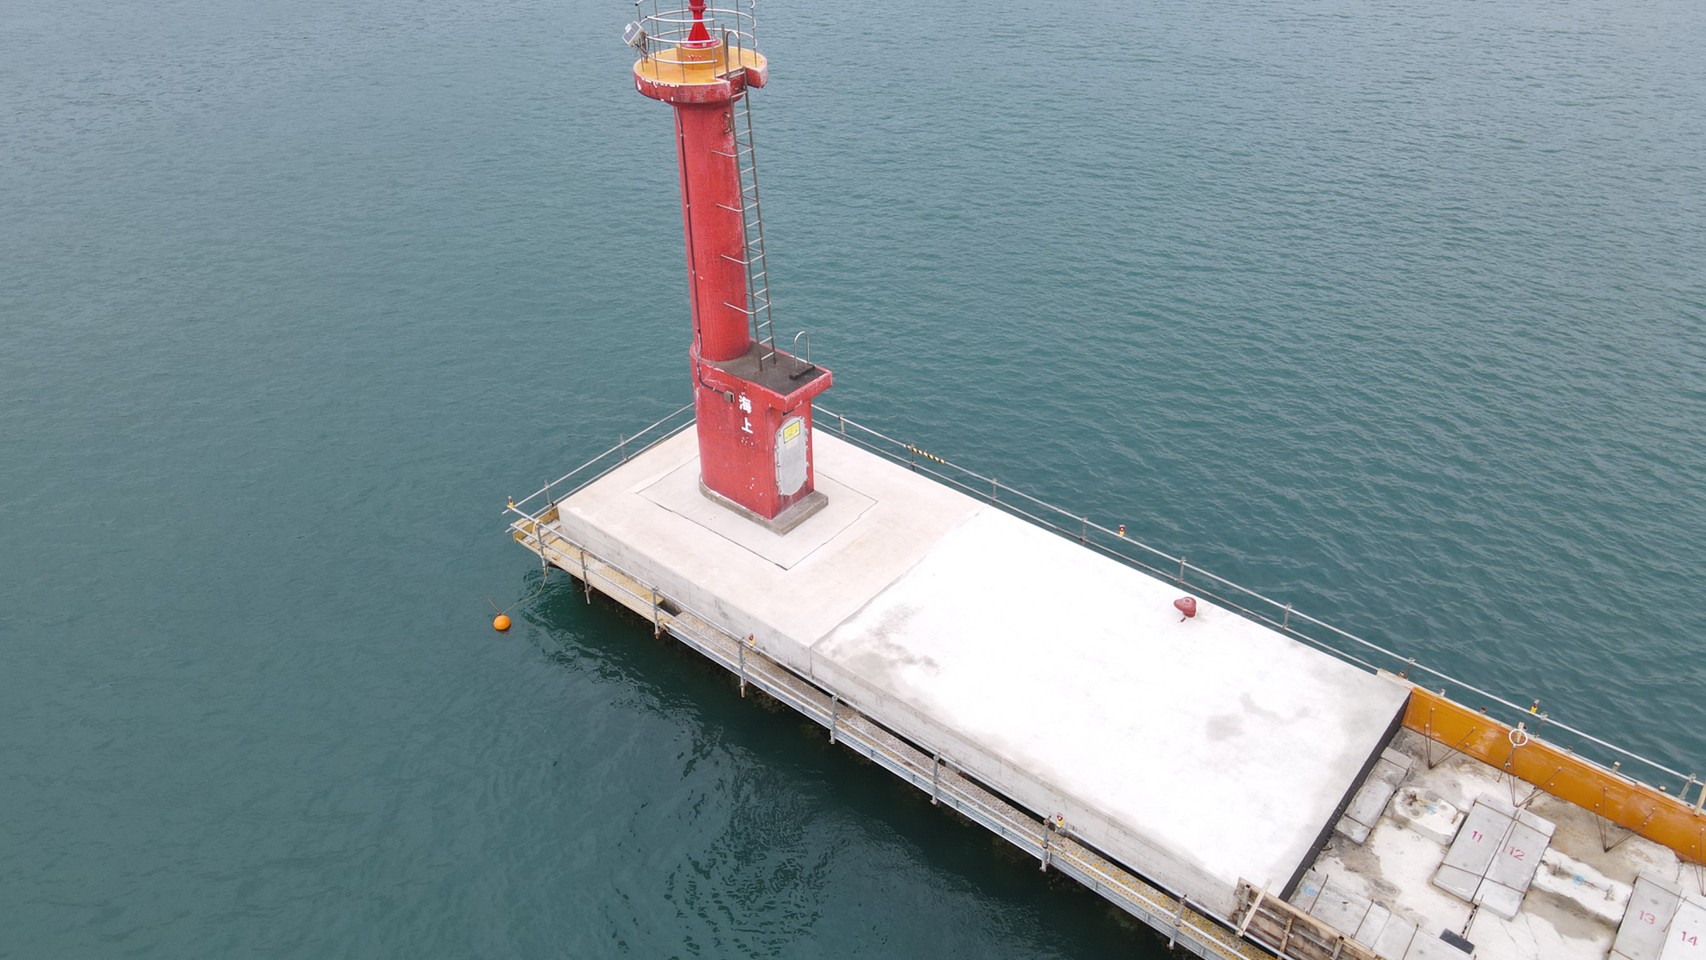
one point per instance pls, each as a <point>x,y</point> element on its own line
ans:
<point>1178,921</point>
<point>834,715</point>
<point>623,443</point>
<point>657,624</point>
<point>936,780</point>
<point>1083,529</point>
<point>1285,624</point>
<point>843,420</point>
<point>586,584</point>
<point>994,490</point>
<point>741,645</point>
<point>1181,571</point>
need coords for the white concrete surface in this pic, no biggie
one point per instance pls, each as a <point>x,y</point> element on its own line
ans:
<point>1202,751</point>
<point>1196,752</point>
<point>1572,909</point>
<point>785,596</point>
<point>678,491</point>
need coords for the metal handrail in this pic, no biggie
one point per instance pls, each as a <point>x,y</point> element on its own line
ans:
<point>1116,545</point>
<point>1178,569</point>
<point>626,450</point>
<point>667,28</point>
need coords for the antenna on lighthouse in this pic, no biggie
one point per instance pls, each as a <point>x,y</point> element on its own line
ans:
<point>752,402</point>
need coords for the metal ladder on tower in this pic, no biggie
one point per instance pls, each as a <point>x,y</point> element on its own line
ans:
<point>752,223</point>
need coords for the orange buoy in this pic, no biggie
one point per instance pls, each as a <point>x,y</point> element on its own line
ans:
<point>500,623</point>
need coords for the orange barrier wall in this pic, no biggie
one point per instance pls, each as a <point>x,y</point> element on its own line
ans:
<point>1657,816</point>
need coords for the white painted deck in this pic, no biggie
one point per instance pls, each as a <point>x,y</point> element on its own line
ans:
<point>1196,753</point>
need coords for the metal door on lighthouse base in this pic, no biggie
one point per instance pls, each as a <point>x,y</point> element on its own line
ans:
<point>791,456</point>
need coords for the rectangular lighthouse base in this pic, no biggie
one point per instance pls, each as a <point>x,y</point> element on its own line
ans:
<point>1194,752</point>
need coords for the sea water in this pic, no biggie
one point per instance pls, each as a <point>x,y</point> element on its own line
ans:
<point>1391,312</point>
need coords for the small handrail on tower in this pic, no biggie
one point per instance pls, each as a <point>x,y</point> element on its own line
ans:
<point>668,34</point>
<point>803,357</point>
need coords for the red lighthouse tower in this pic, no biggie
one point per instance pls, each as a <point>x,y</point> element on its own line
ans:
<point>752,401</point>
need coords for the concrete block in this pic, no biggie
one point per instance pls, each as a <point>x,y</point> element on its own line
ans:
<point>1581,885</point>
<point>1686,939</point>
<point>1342,909</point>
<point>1395,938</point>
<point>1653,903</point>
<point>1478,840</point>
<point>1427,813</point>
<point>1514,864</point>
<point>1498,899</point>
<point>1308,889</point>
<point>1373,922</point>
<point>1458,882</point>
<point>1371,798</point>
<point>1426,947</point>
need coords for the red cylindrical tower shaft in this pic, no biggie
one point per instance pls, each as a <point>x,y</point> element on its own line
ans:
<point>716,238</point>
<point>752,402</point>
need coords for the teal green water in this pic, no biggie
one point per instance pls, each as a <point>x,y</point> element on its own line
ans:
<point>1394,312</point>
